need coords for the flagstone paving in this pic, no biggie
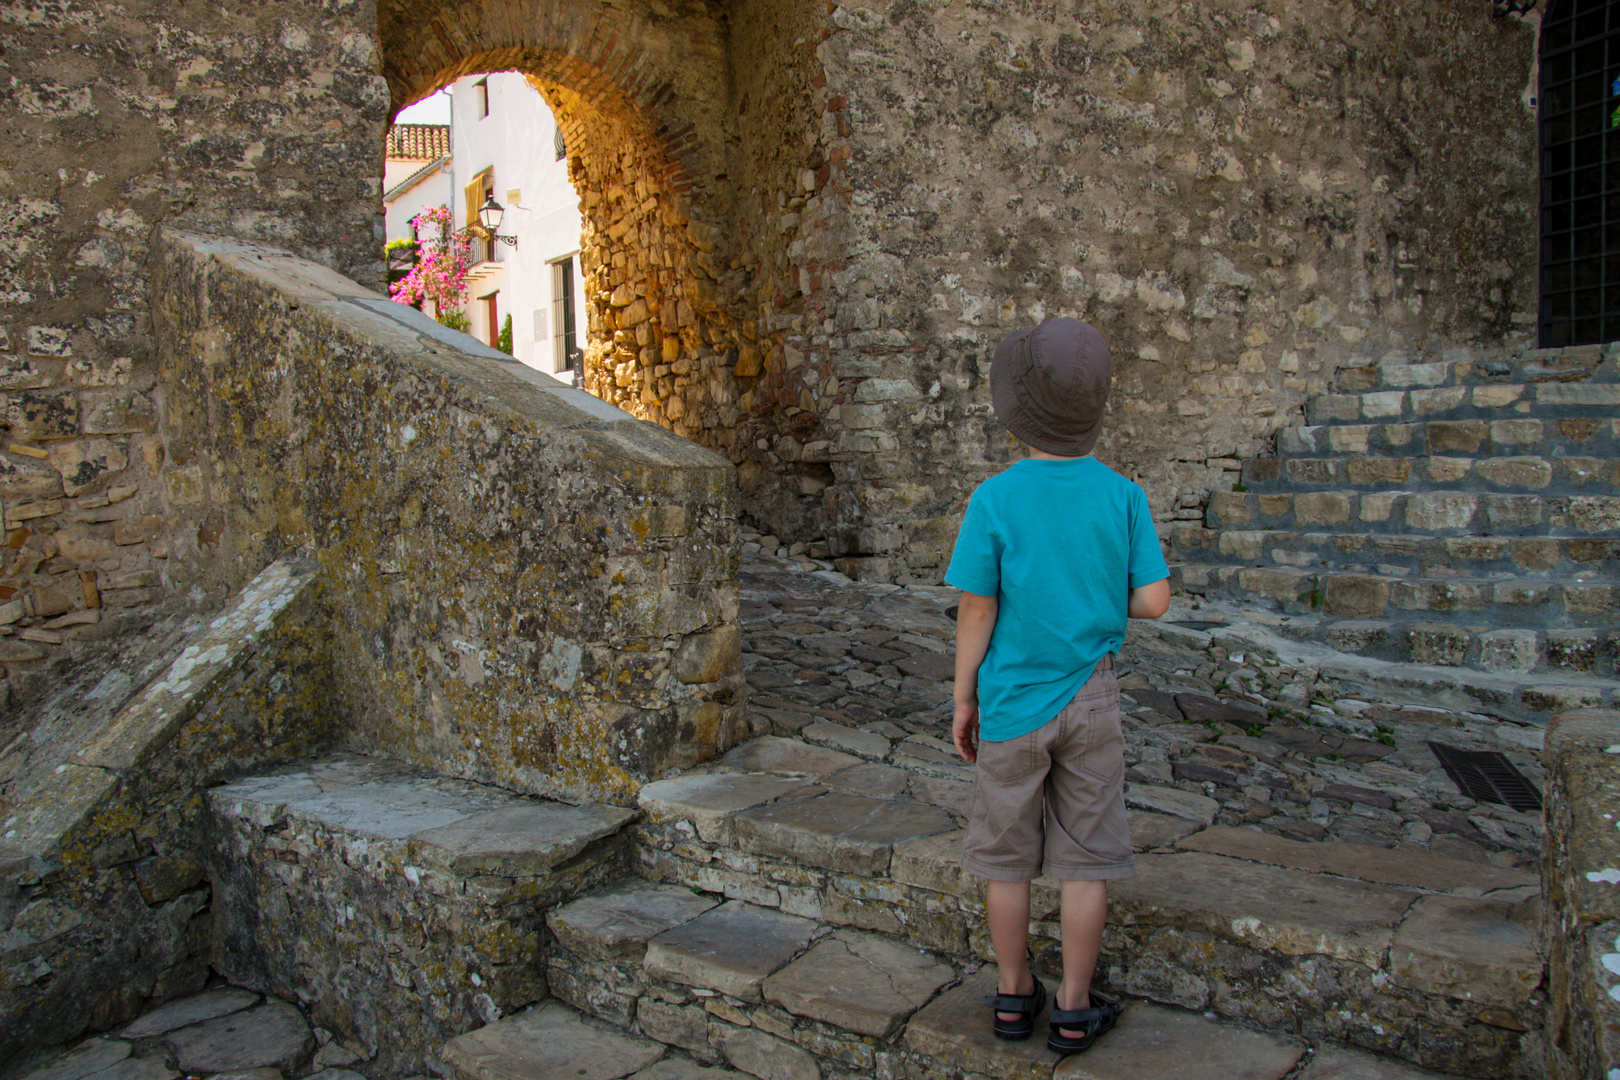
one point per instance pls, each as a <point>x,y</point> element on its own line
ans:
<point>1213,734</point>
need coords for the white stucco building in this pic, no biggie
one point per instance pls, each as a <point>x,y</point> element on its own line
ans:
<point>416,174</point>
<point>505,144</point>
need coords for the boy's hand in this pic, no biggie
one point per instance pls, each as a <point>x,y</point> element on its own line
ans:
<point>965,731</point>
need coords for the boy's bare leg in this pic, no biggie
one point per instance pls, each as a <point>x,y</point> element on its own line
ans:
<point>1085,912</point>
<point>1007,903</point>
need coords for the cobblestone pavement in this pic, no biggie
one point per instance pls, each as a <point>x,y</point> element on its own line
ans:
<point>1222,736</point>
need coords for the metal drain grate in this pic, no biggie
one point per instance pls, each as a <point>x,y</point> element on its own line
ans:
<point>1488,776</point>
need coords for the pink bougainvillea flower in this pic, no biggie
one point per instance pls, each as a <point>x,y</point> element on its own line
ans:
<point>440,272</point>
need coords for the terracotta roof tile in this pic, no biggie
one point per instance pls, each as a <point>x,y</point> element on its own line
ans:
<point>418,142</point>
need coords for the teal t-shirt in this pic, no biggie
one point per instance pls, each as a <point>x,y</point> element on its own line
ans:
<point>1060,544</point>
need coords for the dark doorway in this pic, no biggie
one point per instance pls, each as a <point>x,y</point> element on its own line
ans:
<point>1579,138</point>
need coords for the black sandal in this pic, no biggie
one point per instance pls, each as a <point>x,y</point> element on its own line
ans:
<point>1029,1005</point>
<point>1093,1021</point>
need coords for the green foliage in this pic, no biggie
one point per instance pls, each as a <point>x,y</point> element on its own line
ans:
<point>454,318</point>
<point>1240,487</point>
<point>504,341</point>
<point>1255,731</point>
<point>1386,735</point>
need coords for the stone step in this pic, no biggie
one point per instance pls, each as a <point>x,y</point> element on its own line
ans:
<point>1588,653</point>
<point>1516,603</point>
<point>404,906</point>
<point>1413,664</point>
<point>776,995</point>
<point>1583,437</point>
<point>1518,473</point>
<point>551,1041</point>
<point>1250,927</point>
<point>1150,1042</point>
<point>1496,401</point>
<point>1401,554</point>
<point>1460,368</point>
<point>1438,513</point>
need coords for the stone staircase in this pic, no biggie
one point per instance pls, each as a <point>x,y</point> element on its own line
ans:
<point>796,911</point>
<point>1463,513</point>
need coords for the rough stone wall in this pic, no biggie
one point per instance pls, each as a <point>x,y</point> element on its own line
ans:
<point>1243,198</point>
<point>1581,890</point>
<point>530,587</point>
<point>262,120</point>
<point>104,908</point>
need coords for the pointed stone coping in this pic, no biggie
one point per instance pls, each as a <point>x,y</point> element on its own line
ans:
<point>1332,1063</point>
<point>787,757</point>
<point>837,831</point>
<point>273,1036</point>
<point>859,982</point>
<point>955,1031</point>
<point>470,829</point>
<point>1291,911</point>
<point>1469,949</point>
<point>1152,1041</point>
<point>191,1010</point>
<point>552,1040</point>
<point>1385,866</point>
<point>615,926</point>
<point>730,949</point>
<point>709,800</point>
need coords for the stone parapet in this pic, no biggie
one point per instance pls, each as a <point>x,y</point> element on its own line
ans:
<point>1581,872</point>
<point>530,586</point>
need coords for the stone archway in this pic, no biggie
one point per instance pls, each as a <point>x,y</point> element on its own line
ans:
<point>704,194</point>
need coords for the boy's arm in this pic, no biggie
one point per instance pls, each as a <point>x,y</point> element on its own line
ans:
<point>1146,602</point>
<point>975,620</point>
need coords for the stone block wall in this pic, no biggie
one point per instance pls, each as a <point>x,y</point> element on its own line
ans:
<point>1243,198</point>
<point>263,120</point>
<point>104,907</point>
<point>1581,887</point>
<point>530,588</point>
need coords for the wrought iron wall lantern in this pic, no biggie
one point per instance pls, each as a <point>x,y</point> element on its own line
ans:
<point>489,216</point>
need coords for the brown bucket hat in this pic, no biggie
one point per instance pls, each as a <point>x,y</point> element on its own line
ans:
<point>1049,385</point>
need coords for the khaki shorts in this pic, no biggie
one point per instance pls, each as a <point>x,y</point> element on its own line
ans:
<point>1053,801</point>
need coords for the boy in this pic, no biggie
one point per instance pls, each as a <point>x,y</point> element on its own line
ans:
<point>1053,554</point>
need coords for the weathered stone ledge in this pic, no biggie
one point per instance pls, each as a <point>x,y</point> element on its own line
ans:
<point>101,850</point>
